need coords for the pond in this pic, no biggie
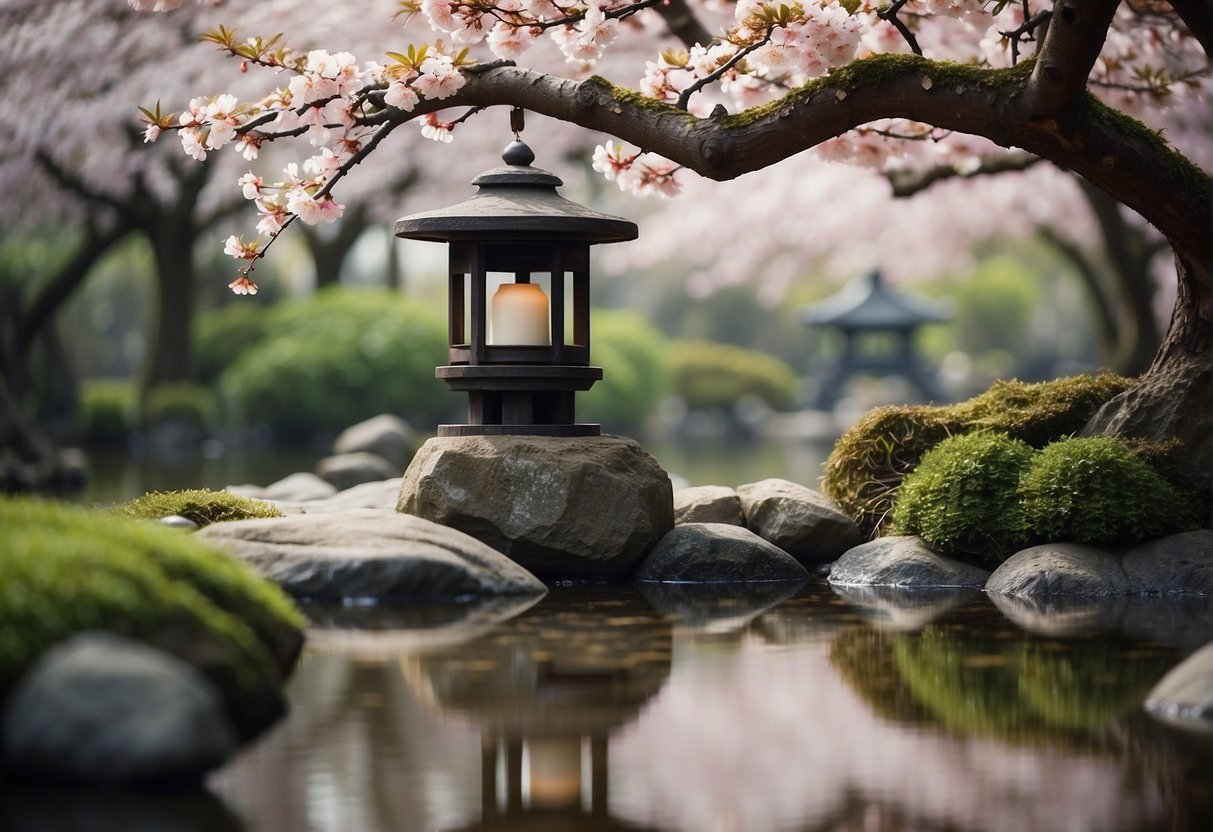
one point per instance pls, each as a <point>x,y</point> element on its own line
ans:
<point>783,707</point>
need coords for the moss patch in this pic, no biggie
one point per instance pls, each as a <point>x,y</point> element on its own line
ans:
<point>66,570</point>
<point>873,456</point>
<point>201,505</point>
<point>963,497</point>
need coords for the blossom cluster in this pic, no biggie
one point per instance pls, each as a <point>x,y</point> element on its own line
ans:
<point>636,171</point>
<point>582,32</point>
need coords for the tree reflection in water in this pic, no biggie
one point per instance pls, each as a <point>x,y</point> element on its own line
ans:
<point>673,708</point>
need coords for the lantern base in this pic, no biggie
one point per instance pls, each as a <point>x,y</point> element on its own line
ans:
<point>520,430</point>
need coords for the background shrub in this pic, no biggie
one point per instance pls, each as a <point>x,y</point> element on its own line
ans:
<point>339,357</point>
<point>1096,490</point>
<point>107,411</point>
<point>183,402</point>
<point>632,355</point>
<point>711,375</point>
<point>221,336</point>
<point>963,497</point>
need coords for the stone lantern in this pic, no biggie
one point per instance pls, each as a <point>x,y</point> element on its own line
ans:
<point>519,298</point>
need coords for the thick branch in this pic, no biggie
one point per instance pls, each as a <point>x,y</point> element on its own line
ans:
<point>908,182</point>
<point>683,23</point>
<point>1118,154</point>
<point>68,181</point>
<point>1077,31</point>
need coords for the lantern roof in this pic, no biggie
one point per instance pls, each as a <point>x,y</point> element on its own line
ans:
<point>868,303</point>
<point>516,202</point>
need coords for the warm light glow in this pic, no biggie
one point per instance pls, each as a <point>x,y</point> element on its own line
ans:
<point>519,316</point>
<point>554,766</point>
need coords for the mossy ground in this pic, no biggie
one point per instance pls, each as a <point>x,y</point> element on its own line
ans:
<point>869,461</point>
<point>64,570</point>
<point>201,505</point>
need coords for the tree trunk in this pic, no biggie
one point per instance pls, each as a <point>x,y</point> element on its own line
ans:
<point>329,248</point>
<point>170,349</point>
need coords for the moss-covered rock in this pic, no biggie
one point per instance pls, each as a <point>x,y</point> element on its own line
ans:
<point>67,570</point>
<point>1096,490</point>
<point>200,505</point>
<point>874,455</point>
<point>963,497</point>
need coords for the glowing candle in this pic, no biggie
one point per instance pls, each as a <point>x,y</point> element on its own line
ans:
<point>554,766</point>
<point>519,315</point>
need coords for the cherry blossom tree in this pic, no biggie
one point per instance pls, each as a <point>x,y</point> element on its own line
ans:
<point>915,84</point>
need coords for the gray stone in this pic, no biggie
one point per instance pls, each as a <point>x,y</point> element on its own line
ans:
<point>104,709</point>
<point>176,521</point>
<point>385,435</point>
<point>903,561</point>
<point>1184,696</point>
<point>1060,569</point>
<point>561,507</point>
<point>1180,564</point>
<point>801,521</point>
<point>367,553</point>
<point>299,487</point>
<point>717,553</point>
<point>347,470</point>
<point>1173,564</point>
<point>381,495</point>
<point>707,504</point>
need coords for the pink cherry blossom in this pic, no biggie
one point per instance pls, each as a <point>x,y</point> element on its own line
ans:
<point>243,285</point>
<point>439,78</point>
<point>401,96</point>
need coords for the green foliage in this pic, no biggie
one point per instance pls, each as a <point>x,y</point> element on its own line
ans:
<point>963,498</point>
<point>706,374</point>
<point>872,457</point>
<point>67,570</point>
<point>184,402</point>
<point>201,505</point>
<point>1096,490</point>
<point>632,354</point>
<point>339,357</point>
<point>107,411</point>
<point>223,335</point>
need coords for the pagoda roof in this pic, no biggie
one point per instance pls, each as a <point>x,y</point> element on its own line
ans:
<point>867,302</point>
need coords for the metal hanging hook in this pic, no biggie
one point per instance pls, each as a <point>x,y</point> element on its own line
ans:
<point>517,122</point>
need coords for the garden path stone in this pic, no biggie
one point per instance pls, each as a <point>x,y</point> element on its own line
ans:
<point>345,471</point>
<point>717,553</point>
<point>368,553</point>
<point>385,435</point>
<point>100,708</point>
<point>708,504</point>
<point>560,507</point>
<point>903,562</point>
<point>801,521</point>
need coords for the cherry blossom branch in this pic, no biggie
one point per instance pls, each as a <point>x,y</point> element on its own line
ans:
<point>683,23</point>
<point>890,16</point>
<point>1026,31</point>
<point>1076,35</point>
<point>906,182</point>
<point>684,97</point>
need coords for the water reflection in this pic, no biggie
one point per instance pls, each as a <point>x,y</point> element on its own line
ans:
<point>603,709</point>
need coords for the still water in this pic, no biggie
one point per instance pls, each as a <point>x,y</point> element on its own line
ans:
<point>682,709</point>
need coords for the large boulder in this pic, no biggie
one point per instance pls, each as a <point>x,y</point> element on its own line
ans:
<point>801,521</point>
<point>1180,564</point>
<point>708,504</point>
<point>561,507</point>
<point>100,708</point>
<point>295,488</point>
<point>367,553</point>
<point>347,470</point>
<point>1184,696</point>
<point>903,561</point>
<point>384,435</point>
<point>717,553</point>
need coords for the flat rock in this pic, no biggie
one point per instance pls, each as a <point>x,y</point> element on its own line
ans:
<point>381,495</point>
<point>707,504</point>
<point>100,708</point>
<point>347,470</point>
<point>801,521</point>
<point>1180,564</point>
<point>385,435</point>
<point>367,553</point>
<point>1184,696</point>
<point>296,488</point>
<point>560,507</point>
<point>717,553</point>
<point>903,562</point>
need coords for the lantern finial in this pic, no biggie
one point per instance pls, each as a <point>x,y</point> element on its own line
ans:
<point>518,154</point>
